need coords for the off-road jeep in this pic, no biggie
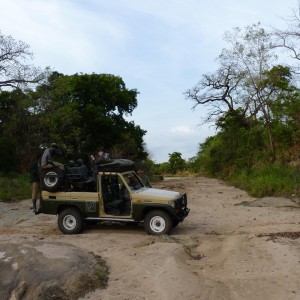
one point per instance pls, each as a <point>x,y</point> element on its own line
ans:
<point>115,193</point>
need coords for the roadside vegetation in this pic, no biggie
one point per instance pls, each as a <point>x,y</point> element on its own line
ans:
<point>269,181</point>
<point>252,99</point>
<point>14,187</point>
<point>266,180</point>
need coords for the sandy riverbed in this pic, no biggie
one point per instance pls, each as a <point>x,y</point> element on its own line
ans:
<point>231,246</point>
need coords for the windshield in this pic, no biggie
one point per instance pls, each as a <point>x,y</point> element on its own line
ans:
<point>133,181</point>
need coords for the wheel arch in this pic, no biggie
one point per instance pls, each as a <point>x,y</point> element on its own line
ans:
<point>140,211</point>
<point>63,207</point>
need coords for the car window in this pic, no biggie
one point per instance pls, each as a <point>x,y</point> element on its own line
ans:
<point>133,181</point>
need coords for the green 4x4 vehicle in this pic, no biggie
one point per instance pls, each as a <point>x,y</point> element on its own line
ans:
<point>114,194</point>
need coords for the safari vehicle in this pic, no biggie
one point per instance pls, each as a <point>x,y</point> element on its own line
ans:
<point>115,193</point>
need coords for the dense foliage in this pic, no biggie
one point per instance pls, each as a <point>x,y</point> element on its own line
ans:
<point>175,164</point>
<point>255,105</point>
<point>83,112</point>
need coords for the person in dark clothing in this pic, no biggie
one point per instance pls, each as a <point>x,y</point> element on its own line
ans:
<point>144,178</point>
<point>47,157</point>
<point>34,171</point>
<point>133,183</point>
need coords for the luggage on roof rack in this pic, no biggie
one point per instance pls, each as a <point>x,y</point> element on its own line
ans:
<point>115,165</point>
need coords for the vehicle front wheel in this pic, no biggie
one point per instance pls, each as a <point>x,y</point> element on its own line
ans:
<point>70,221</point>
<point>158,222</point>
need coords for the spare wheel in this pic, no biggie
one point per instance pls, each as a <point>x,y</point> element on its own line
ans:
<point>52,179</point>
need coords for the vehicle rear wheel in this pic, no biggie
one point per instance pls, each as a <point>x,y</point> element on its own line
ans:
<point>52,179</point>
<point>70,221</point>
<point>158,222</point>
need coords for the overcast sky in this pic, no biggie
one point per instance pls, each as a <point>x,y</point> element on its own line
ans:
<point>159,47</point>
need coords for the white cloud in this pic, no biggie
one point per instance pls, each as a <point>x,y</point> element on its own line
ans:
<point>182,130</point>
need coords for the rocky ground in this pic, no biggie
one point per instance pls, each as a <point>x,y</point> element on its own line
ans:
<point>231,246</point>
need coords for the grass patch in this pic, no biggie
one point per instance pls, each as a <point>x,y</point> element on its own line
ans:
<point>14,187</point>
<point>271,180</point>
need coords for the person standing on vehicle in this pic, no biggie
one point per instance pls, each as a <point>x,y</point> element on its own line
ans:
<point>34,171</point>
<point>47,157</point>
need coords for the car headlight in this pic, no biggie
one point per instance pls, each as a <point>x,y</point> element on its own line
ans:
<point>172,203</point>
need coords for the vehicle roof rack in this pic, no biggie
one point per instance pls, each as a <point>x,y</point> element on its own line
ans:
<point>114,165</point>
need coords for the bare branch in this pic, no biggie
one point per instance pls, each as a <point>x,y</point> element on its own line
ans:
<point>14,69</point>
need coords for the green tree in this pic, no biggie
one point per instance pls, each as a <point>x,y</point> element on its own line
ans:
<point>164,168</point>
<point>177,163</point>
<point>17,123</point>
<point>87,113</point>
<point>20,126</point>
<point>193,165</point>
<point>286,114</point>
<point>210,156</point>
<point>244,87</point>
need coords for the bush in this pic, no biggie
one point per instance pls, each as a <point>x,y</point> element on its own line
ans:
<point>15,187</point>
<point>270,180</point>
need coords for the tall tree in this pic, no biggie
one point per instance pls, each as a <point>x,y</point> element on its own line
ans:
<point>236,88</point>
<point>21,126</point>
<point>15,71</point>
<point>87,113</point>
<point>176,162</point>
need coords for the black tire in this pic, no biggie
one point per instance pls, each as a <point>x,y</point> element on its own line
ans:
<point>158,222</point>
<point>70,221</point>
<point>52,179</point>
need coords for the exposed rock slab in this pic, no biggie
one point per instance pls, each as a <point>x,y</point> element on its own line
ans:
<point>41,270</point>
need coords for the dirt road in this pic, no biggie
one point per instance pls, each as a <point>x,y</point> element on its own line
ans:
<point>231,246</point>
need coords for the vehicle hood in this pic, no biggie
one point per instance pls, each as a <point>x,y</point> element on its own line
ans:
<point>155,195</point>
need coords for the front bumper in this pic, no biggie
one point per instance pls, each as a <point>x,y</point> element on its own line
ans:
<point>183,214</point>
<point>181,208</point>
